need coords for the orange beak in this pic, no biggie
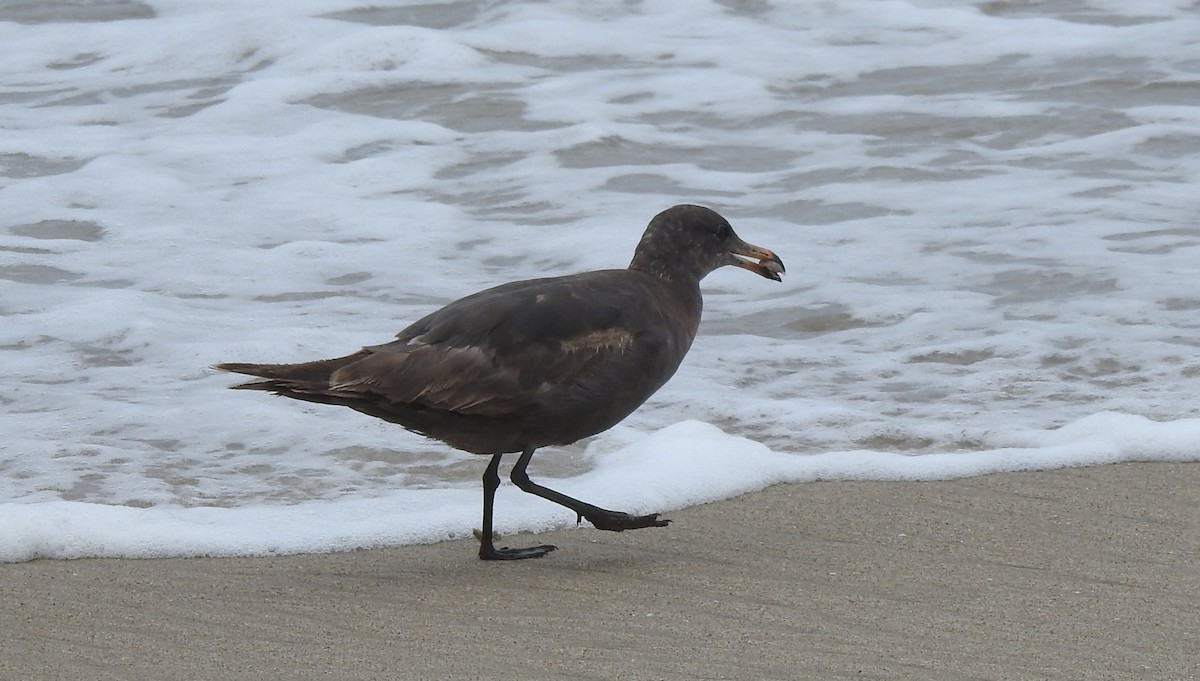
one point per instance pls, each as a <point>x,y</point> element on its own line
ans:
<point>769,265</point>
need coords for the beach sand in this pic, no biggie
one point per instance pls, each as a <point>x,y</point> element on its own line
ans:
<point>1087,573</point>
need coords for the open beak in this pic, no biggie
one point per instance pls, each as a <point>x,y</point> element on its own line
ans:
<point>769,265</point>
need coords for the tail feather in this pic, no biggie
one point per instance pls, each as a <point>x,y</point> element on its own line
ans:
<point>307,381</point>
<point>315,374</point>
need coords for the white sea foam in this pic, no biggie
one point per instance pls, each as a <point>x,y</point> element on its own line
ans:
<point>988,212</point>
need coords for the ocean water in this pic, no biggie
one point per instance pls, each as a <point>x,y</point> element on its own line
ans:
<point>989,212</point>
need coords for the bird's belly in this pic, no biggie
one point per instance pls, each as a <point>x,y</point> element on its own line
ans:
<point>577,412</point>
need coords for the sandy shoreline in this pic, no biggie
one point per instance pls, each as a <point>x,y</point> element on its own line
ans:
<point>1085,573</point>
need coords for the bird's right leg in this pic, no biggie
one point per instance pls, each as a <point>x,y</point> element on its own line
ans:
<point>602,518</point>
<point>488,550</point>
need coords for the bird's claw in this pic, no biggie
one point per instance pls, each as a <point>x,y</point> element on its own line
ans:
<point>616,521</point>
<point>489,552</point>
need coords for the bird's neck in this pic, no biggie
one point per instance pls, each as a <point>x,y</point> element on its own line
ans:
<point>678,291</point>
<point>665,268</point>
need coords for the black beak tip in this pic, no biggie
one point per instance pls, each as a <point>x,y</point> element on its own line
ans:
<point>772,268</point>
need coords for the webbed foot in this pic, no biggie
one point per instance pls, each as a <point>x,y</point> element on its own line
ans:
<point>616,521</point>
<point>489,552</point>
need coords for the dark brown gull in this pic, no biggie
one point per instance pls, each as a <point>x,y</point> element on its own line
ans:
<point>537,363</point>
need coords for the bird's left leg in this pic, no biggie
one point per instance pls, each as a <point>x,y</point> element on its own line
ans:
<point>487,549</point>
<point>603,519</point>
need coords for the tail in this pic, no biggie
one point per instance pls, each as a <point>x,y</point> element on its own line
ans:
<point>289,379</point>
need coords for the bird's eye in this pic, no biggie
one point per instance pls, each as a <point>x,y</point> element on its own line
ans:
<point>723,232</point>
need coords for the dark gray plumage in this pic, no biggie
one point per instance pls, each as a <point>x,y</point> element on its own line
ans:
<point>539,362</point>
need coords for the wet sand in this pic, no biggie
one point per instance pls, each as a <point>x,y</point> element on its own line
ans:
<point>1089,573</point>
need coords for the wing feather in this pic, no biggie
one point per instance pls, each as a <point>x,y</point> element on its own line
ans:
<point>501,351</point>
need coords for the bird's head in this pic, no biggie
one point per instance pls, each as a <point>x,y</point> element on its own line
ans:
<point>691,241</point>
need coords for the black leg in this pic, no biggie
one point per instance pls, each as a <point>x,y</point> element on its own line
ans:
<point>603,519</point>
<point>488,550</point>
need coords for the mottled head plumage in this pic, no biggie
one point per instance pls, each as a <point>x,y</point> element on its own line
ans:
<point>686,242</point>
